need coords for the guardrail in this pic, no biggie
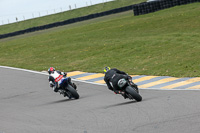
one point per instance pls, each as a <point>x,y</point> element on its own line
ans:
<point>153,6</point>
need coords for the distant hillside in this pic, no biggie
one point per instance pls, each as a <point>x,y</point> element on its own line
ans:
<point>66,15</point>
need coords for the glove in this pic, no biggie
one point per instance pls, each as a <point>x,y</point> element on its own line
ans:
<point>64,74</point>
<point>129,77</point>
<point>51,85</point>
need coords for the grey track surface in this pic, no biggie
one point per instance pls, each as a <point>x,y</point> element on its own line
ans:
<point>28,105</point>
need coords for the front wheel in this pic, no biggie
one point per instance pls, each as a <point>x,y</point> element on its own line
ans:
<point>73,92</point>
<point>133,93</point>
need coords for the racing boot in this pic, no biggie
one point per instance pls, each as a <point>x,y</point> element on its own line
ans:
<point>124,94</point>
<point>72,84</point>
<point>136,87</point>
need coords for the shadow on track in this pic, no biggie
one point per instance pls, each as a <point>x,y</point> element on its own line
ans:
<point>119,104</point>
<point>130,102</point>
<point>59,101</point>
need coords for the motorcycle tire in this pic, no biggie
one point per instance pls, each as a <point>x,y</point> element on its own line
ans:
<point>133,93</point>
<point>73,92</point>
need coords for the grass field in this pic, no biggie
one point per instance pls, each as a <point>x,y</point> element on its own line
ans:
<point>161,43</point>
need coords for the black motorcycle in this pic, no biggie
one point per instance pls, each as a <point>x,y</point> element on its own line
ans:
<point>130,89</point>
<point>68,89</point>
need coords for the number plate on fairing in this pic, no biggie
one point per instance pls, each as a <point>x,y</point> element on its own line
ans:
<point>121,83</point>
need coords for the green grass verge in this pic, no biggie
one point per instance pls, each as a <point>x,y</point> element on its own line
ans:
<point>161,43</point>
<point>66,15</point>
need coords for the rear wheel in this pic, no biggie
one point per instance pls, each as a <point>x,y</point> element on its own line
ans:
<point>133,93</point>
<point>73,92</point>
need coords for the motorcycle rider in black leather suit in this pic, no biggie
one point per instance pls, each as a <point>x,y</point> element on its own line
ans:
<point>112,76</point>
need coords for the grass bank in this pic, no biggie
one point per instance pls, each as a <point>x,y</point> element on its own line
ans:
<point>161,43</point>
<point>66,15</point>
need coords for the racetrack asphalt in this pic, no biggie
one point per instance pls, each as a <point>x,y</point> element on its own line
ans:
<point>29,105</point>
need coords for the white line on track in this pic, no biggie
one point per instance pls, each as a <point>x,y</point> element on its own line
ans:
<point>45,73</point>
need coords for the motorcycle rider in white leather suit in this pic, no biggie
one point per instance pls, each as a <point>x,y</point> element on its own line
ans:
<point>55,80</point>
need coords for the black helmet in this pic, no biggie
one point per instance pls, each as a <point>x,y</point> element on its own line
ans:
<point>106,69</point>
<point>51,70</point>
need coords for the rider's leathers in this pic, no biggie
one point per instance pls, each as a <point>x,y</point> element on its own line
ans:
<point>112,77</point>
<point>55,79</point>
